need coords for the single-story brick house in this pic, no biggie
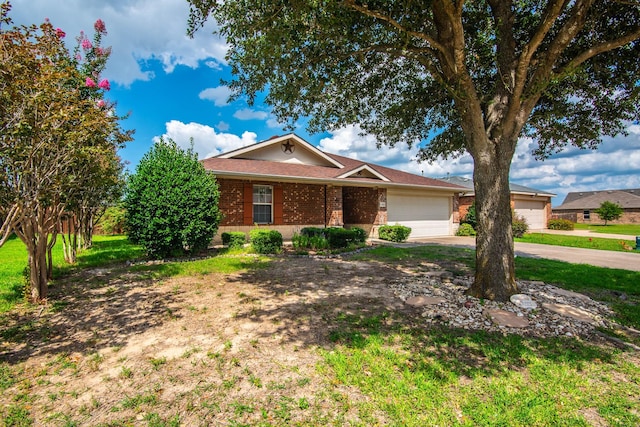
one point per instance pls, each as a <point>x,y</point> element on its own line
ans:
<point>286,183</point>
<point>579,206</point>
<point>534,205</point>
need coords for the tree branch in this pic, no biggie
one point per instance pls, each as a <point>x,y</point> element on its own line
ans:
<point>598,49</point>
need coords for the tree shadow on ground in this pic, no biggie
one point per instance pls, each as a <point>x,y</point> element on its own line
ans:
<point>87,312</point>
<point>329,303</point>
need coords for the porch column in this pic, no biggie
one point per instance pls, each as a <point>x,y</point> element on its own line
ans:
<point>381,216</point>
<point>334,207</point>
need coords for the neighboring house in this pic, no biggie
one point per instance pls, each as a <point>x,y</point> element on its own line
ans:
<point>286,184</point>
<point>580,206</point>
<point>534,205</point>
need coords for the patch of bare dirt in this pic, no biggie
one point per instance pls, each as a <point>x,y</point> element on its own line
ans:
<point>113,348</point>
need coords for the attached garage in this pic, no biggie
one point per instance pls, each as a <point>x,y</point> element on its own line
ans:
<point>533,211</point>
<point>427,214</point>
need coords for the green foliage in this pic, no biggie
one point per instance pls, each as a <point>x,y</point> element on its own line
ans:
<point>609,211</point>
<point>234,239</point>
<point>360,235</point>
<point>342,237</point>
<point>312,242</point>
<point>313,231</point>
<point>171,202</point>
<point>470,216</point>
<point>394,233</point>
<point>519,225</point>
<point>113,220</point>
<point>560,224</point>
<point>628,229</point>
<point>266,241</point>
<point>465,230</point>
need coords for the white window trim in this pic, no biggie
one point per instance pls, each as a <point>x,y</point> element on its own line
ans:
<point>270,187</point>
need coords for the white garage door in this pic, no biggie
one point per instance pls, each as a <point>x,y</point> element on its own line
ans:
<point>427,215</point>
<point>533,212</point>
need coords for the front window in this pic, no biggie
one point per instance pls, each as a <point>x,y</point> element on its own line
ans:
<point>262,204</point>
<point>586,215</point>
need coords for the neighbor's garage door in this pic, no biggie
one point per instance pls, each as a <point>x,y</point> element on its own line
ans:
<point>533,212</point>
<point>427,215</point>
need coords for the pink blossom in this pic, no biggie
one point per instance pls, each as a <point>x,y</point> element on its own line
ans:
<point>78,57</point>
<point>89,82</point>
<point>99,51</point>
<point>104,84</point>
<point>100,27</point>
<point>101,103</point>
<point>60,33</point>
<point>86,44</point>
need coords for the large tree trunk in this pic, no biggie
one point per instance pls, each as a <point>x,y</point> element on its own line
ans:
<point>495,271</point>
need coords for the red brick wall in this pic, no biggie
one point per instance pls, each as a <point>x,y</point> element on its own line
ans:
<point>464,202</point>
<point>333,210</point>
<point>231,198</point>
<point>360,205</point>
<point>303,204</point>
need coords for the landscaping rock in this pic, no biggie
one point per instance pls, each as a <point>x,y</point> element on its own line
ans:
<point>523,301</point>
<point>421,301</point>
<point>508,319</point>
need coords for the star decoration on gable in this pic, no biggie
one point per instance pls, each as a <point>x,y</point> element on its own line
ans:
<point>288,147</point>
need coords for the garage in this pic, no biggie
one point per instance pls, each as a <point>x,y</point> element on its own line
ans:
<point>533,212</point>
<point>426,214</point>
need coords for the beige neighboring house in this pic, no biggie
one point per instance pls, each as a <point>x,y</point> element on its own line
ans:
<point>580,206</point>
<point>534,205</point>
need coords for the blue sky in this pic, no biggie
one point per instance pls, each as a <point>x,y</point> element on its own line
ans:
<point>170,86</point>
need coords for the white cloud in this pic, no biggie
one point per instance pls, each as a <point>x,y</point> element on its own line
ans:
<point>223,126</point>
<point>138,30</point>
<point>349,143</point>
<point>615,165</point>
<point>249,114</point>
<point>219,95</point>
<point>206,142</point>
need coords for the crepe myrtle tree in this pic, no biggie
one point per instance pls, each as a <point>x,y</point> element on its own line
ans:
<point>48,129</point>
<point>171,202</point>
<point>479,74</point>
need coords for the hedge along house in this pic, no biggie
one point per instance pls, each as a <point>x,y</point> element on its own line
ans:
<point>534,205</point>
<point>287,184</point>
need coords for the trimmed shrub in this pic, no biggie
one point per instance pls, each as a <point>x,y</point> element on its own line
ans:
<point>359,235</point>
<point>171,202</point>
<point>394,233</point>
<point>339,237</point>
<point>234,239</point>
<point>465,230</point>
<point>470,216</point>
<point>266,241</point>
<point>313,232</point>
<point>560,224</point>
<point>309,242</point>
<point>519,226</point>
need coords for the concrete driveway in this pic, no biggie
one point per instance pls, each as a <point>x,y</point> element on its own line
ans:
<point>610,259</point>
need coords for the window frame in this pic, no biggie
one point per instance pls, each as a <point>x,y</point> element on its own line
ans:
<point>586,215</point>
<point>258,203</point>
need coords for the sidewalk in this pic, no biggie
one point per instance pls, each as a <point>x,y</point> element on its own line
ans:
<point>587,233</point>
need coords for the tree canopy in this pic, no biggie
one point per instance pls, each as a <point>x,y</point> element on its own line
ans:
<point>609,211</point>
<point>464,76</point>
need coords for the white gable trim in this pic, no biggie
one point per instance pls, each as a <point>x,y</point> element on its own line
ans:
<point>366,168</point>
<point>261,145</point>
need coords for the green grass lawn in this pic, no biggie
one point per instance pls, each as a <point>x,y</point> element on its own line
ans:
<point>105,250</point>
<point>580,242</point>
<point>391,370</point>
<point>628,229</point>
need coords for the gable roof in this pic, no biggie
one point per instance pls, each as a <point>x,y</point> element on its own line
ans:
<point>514,188</point>
<point>627,199</point>
<point>261,161</point>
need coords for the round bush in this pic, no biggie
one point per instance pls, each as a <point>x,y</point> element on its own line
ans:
<point>465,230</point>
<point>171,202</point>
